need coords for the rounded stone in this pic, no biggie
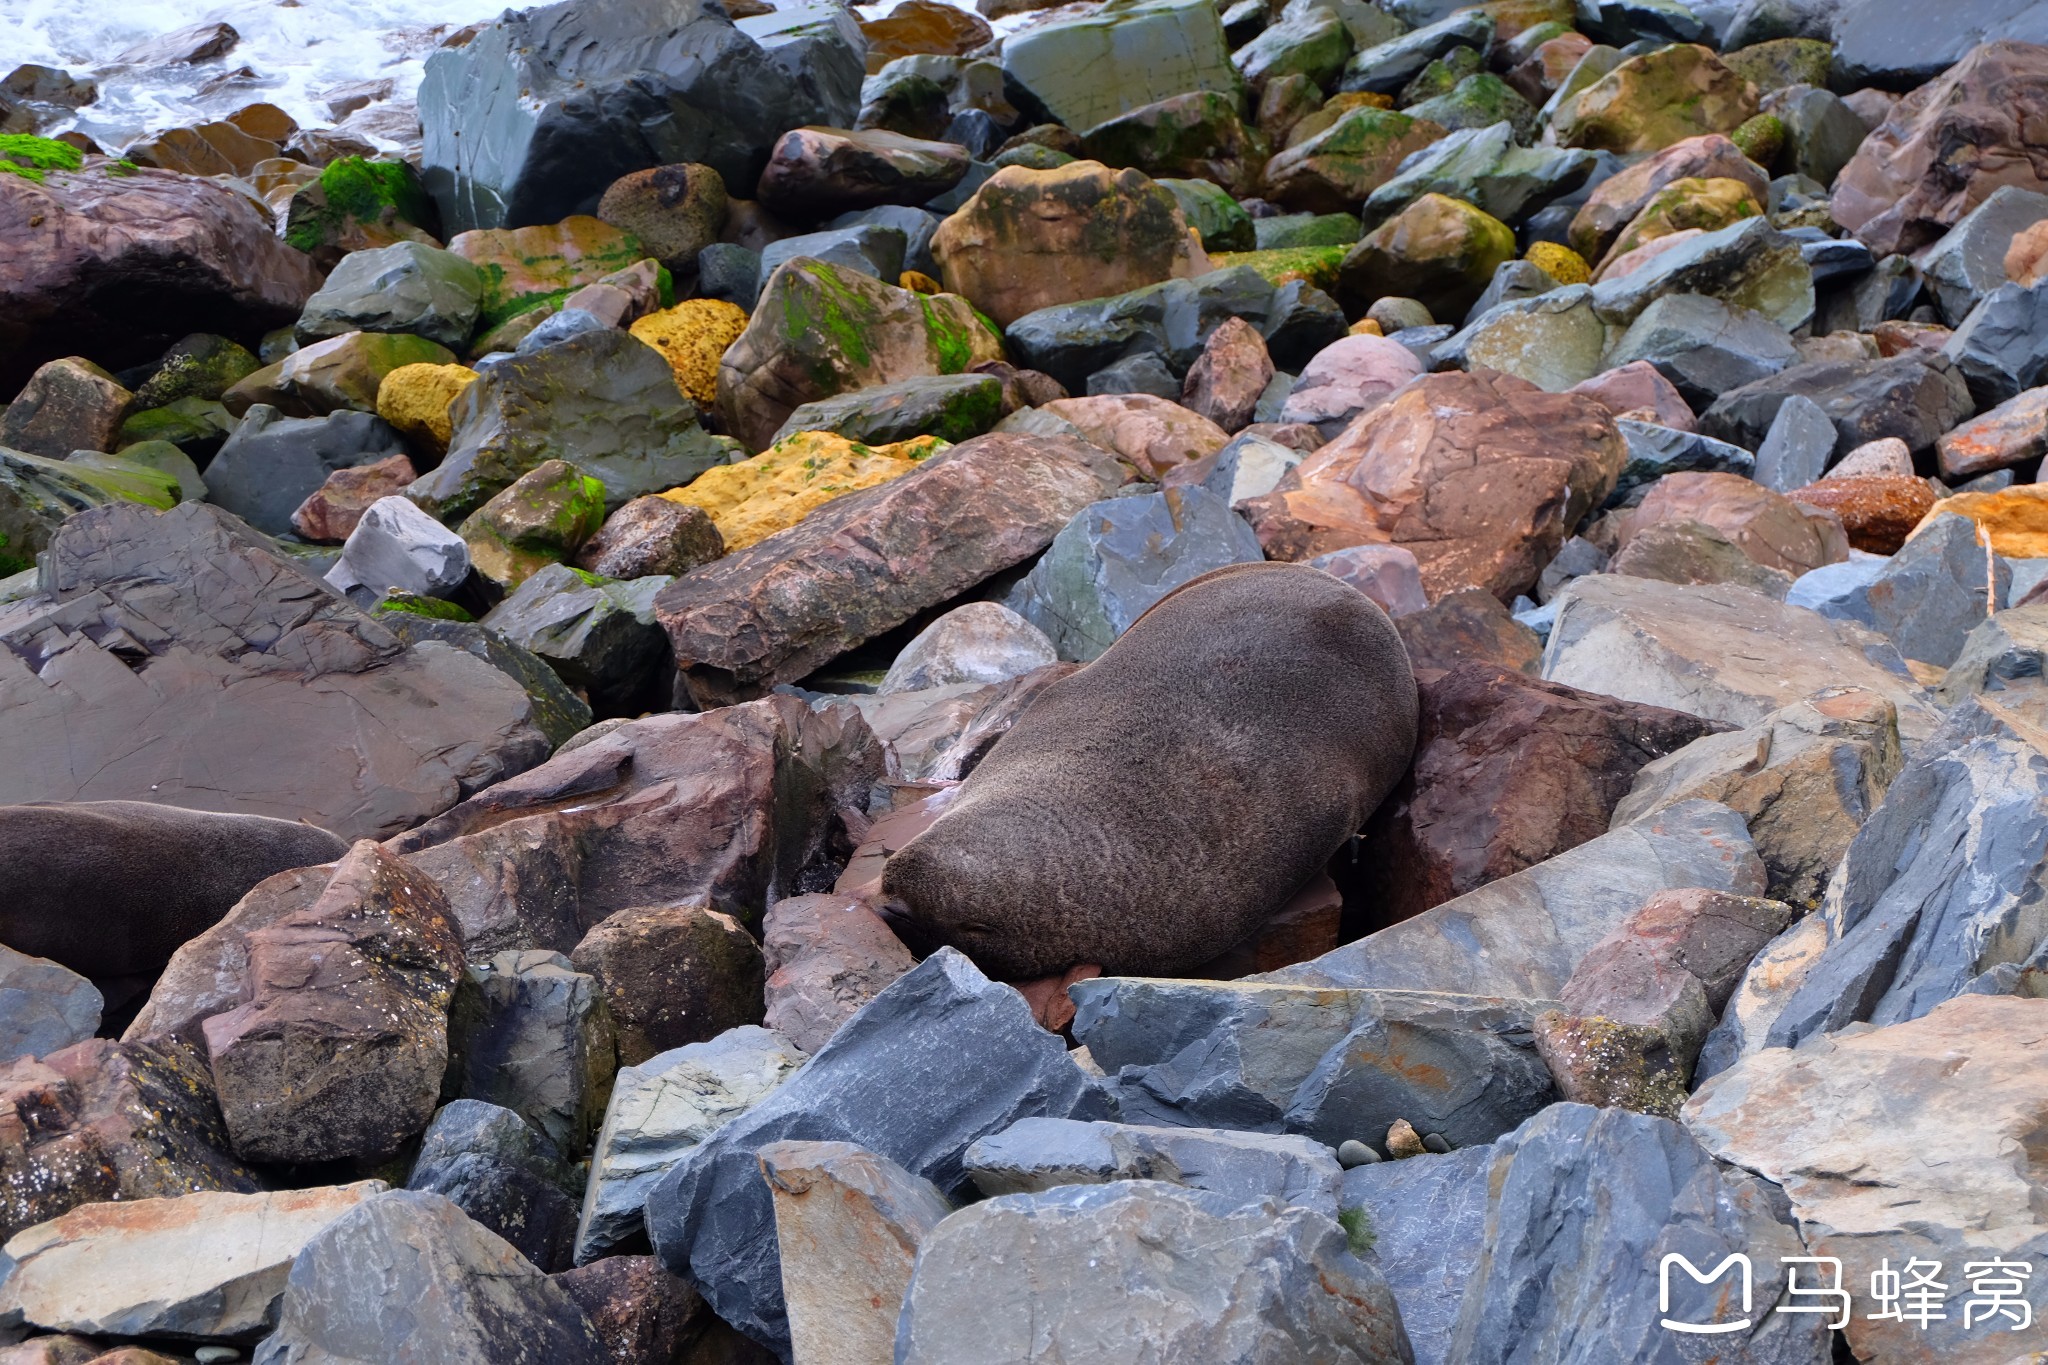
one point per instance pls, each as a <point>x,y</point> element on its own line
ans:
<point>1351,1152</point>
<point>676,211</point>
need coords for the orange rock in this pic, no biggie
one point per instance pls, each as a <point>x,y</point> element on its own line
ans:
<point>923,26</point>
<point>207,149</point>
<point>2015,518</point>
<point>2014,431</point>
<point>1878,511</point>
<point>2026,260</point>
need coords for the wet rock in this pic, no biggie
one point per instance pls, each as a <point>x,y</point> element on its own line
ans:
<point>1202,1299</point>
<point>347,371</point>
<point>395,547</point>
<point>498,1170</point>
<point>1718,651</point>
<point>405,287</point>
<point>541,518</point>
<point>533,1035</point>
<point>1348,378</point>
<point>600,636</point>
<point>1944,149</point>
<point>43,1006</point>
<point>1234,370</point>
<point>1749,264</point>
<point>184,47</point>
<point>1387,66</point>
<point>1085,71</point>
<point>1796,1117</point>
<point>425,722</point>
<point>1033,239</point>
<point>409,1265</point>
<point>1470,623</point>
<point>2000,347</point>
<point>651,536</point>
<point>1483,167</point>
<point>1915,398</point>
<point>847,1226</point>
<point>659,1111</point>
<point>1335,169</point>
<point>1695,552</point>
<point>206,1264</point>
<point>1474,431</point>
<point>1116,559</point>
<point>66,405</point>
<point>120,267</point>
<point>272,463</point>
<point>1651,101</point>
<point>1592,1198</point>
<point>1035,1155</point>
<point>1704,346</point>
<point>200,366</point>
<point>865,249</point>
<point>558,712</point>
<point>603,402</point>
<point>338,1045</point>
<point>815,171</point>
<point>872,560</point>
<point>672,975</point>
<point>675,211</point>
<point>1508,771</point>
<point>1438,250</point>
<point>952,407</point>
<point>642,1314</point>
<point>1618,200</point>
<point>967,1059</point>
<point>1199,135</point>
<point>603,826</point>
<point>331,511</point>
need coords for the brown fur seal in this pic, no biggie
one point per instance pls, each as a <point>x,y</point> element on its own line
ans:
<point>1156,807</point>
<point>113,888</point>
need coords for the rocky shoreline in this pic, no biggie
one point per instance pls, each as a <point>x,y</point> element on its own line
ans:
<point>644,697</point>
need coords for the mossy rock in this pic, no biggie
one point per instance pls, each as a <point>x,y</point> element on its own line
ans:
<point>530,267</point>
<point>1210,210</point>
<point>149,462</point>
<point>1032,156</point>
<point>753,499</point>
<point>1439,250</point>
<point>542,518</point>
<point>1479,101</point>
<point>1314,265</point>
<point>1292,230</point>
<point>358,203</point>
<point>1687,203</point>
<point>196,426</point>
<point>1761,139</point>
<point>1782,62</point>
<point>200,366</point>
<point>400,602</point>
<point>33,158</point>
<point>1442,76</point>
<point>1651,101</point>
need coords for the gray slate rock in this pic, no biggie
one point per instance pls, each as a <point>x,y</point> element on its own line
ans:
<point>1584,1204</point>
<point>1969,260</point>
<point>1249,467</point>
<point>1749,264</point>
<point>1915,397</point>
<point>1925,599</point>
<point>1426,1217</point>
<point>2004,653</point>
<point>1655,451</point>
<point>1796,447</point>
<point>537,115</point>
<point>558,328</point>
<point>409,1267</point>
<point>1386,67</point>
<point>1485,167</point>
<point>942,1057</point>
<point>1821,132</point>
<point>1522,936</point>
<point>404,287</point>
<point>558,712</point>
<point>1138,1270</point>
<point>272,463</point>
<point>602,637</point>
<point>504,1174</point>
<point>1890,44</point>
<point>396,547</point>
<point>1704,346</point>
<point>531,1033</point>
<point>1034,1155</point>
<point>917,226</point>
<point>1145,372</point>
<point>870,248</point>
<point>44,1006</point>
<point>2002,346</point>
<point>730,272</point>
<point>1115,559</point>
<point>953,407</point>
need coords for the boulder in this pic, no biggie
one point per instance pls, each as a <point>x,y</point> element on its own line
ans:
<point>1116,559</point>
<point>1388,574</point>
<point>331,511</point>
<point>607,825</point>
<point>2011,433</point>
<point>963,1058</point>
<point>558,712</point>
<point>1694,552</point>
<point>817,171</point>
<point>1805,780</point>
<point>951,407</point>
<point>660,1110</point>
<point>405,287</point>
<point>753,499</point>
<point>532,1035</point>
<point>1035,1155</point>
<point>1657,451</point>
<point>1807,1119</point>
<point>1348,378</point>
<point>847,1226</point>
<point>1425,1220</point>
<point>1390,479</point>
<point>206,1264</point>
<point>1583,1204</point>
<point>1487,168</point>
<point>539,114</point>
<point>495,1167</point>
<point>641,1313</point>
<point>870,561</point>
<point>1470,623</point>
<point>1748,264</point>
<point>1946,147</point>
<point>821,331</point>
<point>1926,598</point>
<point>1332,171</point>
<point>347,371</point>
<point>67,405</point>
<point>1032,239</point>
<point>1704,346</point>
<point>1508,771</point>
<point>1718,651</point>
<point>603,402</point>
<point>674,211</point>
<point>118,267</point>
<point>1878,512</point>
<point>1658,98</point>
<point>651,535</point>
<point>1796,446</point>
<point>43,1006</point>
<point>1234,371</point>
<point>827,956</point>
<point>1438,250</point>
<point>671,975</point>
<point>541,518</point>
<point>1153,434</point>
<point>1914,397</point>
<point>1771,529</point>
<point>979,642</point>
<point>1387,65</point>
<point>2000,347</point>
<point>1620,199</point>
<point>1199,136</point>
<point>416,399</point>
<point>1175,1274</point>
<point>337,1041</point>
<point>1086,70</point>
<point>219,671</point>
<point>105,1121</point>
<point>272,464</point>
<point>397,548</point>
<point>408,1266</point>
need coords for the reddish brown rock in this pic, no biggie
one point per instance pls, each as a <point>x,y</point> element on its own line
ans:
<point>818,171</point>
<point>652,535</point>
<point>106,1120</point>
<point>1639,389</point>
<point>641,1313</point>
<point>332,510</point>
<point>828,955</point>
<point>220,148</point>
<point>723,809</point>
<point>672,974</point>
<point>916,27</point>
<point>1946,147</point>
<point>1897,336</point>
<point>341,1045</point>
<point>1617,200</point>
<point>1155,434</point>
<point>64,1349</point>
<point>2012,433</point>
<point>1469,625</point>
<point>70,404</point>
<point>1770,528</point>
<point>870,561</point>
<point>1224,383</point>
<point>1509,770</point>
<point>1539,75</point>
<point>1480,475</point>
<point>1877,511</point>
<point>117,267</point>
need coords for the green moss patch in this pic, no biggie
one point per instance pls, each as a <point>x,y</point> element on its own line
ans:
<point>32,158</point>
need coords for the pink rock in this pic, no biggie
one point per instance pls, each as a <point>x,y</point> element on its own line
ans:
<point>1888,455</point>
<point>1153,433</point>
<point>1629,262</point>
<point>1388,574</point>
<point>2012,432</point>
<point>1225,382</point>
<point>828,955</point>
<point>332,510</point>
<point>1638,387</point>
<point>1348,378</point>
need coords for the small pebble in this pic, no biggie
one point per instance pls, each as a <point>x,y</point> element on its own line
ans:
<point>1436,1142</point>
<point>1351,1152</point>
<point>1403,1140</point>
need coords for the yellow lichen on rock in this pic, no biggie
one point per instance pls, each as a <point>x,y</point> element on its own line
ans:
<point>776,489</point>
<point>692,336</point>
<point>1560,262</point>
<point>917,282</point>
<point>2015,519</point>
<point>1365,327</point>
<point>415,399</point>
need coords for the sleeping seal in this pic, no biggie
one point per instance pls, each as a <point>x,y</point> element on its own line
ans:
<point>113,888</point>
<point>1156,807</point>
